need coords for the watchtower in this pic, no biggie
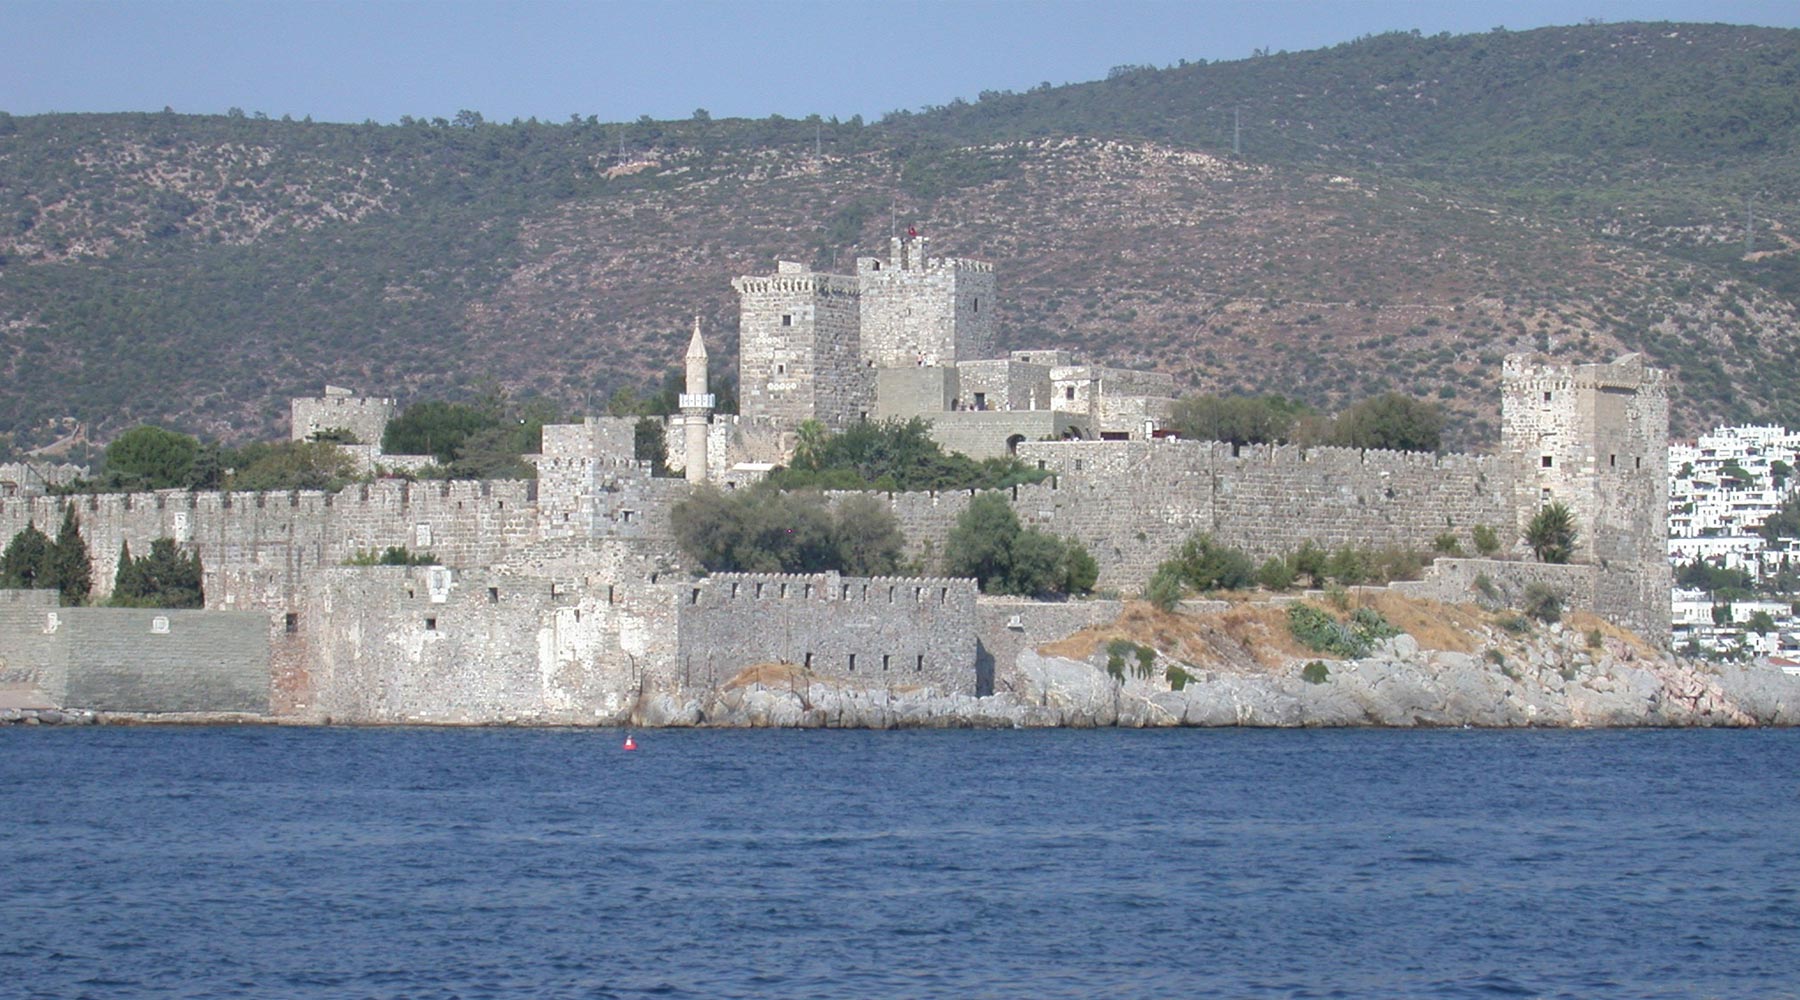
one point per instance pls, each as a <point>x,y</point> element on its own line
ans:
<point>1595,438</point>
<point>921,310</point>
<point>799,354</point>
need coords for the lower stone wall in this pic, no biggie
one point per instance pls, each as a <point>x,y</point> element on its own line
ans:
<point>1504,583</point>
<point>436,645</point>
<point>138,660</point>
<point>900,631</point>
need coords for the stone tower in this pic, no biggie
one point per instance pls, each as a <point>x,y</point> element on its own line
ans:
<point>799,353</point>
<point>696,408</point>
<point>920,310</point>
<point>1595,438</point>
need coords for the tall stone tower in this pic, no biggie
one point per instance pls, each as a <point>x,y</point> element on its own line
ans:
<point>1596,439</point>
<point>696,408</point>
<point>799,353</point>
<point>920,310</point>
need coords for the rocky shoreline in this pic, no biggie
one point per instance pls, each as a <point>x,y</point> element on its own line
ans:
<point>1229,666</point>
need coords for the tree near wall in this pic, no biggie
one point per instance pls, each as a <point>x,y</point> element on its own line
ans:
<point>166,578</point>
<point>26,562</point>
<point>147,457</point>
<point>1552,533</point>
<point>71,564</point>
<point>988,543</point>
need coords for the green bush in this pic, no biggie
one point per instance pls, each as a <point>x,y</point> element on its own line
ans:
<point>1177,677</point>
<point>1207,565</point>
<point>1595,638</point>
<point>1165,589</point>
<point>1275,575</point>
<point>1315,672</point>
<point>1322,633</point>
<point>1487,540</point>
<point>1543,602</point>
<point>1448,544</point>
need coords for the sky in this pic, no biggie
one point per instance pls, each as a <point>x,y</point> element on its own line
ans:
<point>381,59</point>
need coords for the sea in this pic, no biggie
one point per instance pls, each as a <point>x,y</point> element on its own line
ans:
<point>422,863</point>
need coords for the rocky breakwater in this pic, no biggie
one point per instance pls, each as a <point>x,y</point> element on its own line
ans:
<point>1448,665</point>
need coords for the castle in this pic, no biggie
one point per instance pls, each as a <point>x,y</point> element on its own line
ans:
<point>564,599</point>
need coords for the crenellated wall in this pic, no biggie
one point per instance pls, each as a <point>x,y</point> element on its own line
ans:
<point>256,548</point>
<point>901,631</point>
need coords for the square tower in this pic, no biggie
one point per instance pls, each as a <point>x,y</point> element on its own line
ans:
<point>1595,438</point>
<point>919,310</point>
<point>799,348</point>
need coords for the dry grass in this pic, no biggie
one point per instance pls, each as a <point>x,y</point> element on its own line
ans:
<point>1252,636</point>
<point>1449,627</point>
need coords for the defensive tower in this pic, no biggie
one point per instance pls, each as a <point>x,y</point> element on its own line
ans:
<point>921,310</point>
<point>1595,438</point>
<point>799,353</point>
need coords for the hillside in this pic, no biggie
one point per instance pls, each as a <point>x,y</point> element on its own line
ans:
<point>1405,211</point>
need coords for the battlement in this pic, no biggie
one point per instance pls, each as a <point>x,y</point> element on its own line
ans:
<point>829,586</point>
<point>808,283</point>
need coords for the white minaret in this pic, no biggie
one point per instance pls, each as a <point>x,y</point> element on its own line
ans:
<point>696,407</point>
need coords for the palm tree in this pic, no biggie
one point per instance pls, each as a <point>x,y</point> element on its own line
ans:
<point>1552,533</point>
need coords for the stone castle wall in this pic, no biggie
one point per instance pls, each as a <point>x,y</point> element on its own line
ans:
<point>899,630</point>
<point>257,548</point>
<point>432,644</point>
<point>1131,503</point>
<point>137,660</point>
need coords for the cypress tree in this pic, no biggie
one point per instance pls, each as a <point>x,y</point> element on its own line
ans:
<point>26,562</point>
<point>71,564</point>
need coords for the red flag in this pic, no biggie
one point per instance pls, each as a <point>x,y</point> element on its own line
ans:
<point>912,231</point>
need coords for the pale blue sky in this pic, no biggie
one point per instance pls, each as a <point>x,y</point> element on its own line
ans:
<point>347,61</point>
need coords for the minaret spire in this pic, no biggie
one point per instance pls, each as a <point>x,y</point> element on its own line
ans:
<point>696,407</point>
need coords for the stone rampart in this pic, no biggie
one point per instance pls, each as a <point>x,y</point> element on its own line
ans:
<point>431,644</point>
<point>137,660</point>
<point>901,631</point>
<point>256,547</point>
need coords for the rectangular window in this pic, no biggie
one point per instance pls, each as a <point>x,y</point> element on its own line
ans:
<point>1547,461</point>
<point>884,661</point>
<point>787,319</point>
<point>1069,392</point>
<point>493,595</point>
<point>919,666</point>
<point>1546,397</point>
<point>808,661</point>
<point>431,624</point>
<point>853,663</point>
<point>293,623</point>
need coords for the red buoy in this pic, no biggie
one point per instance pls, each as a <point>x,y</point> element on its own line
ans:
<point>630,744</point>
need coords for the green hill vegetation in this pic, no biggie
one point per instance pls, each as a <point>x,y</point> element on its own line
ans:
<point>1405,210</point>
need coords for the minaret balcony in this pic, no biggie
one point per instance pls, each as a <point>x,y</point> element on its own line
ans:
<point>695,400</point>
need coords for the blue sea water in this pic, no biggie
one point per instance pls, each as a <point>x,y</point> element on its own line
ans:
<point>264,862</point>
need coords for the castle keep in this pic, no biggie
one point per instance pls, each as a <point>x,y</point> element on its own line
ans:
<point>564,599</point>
